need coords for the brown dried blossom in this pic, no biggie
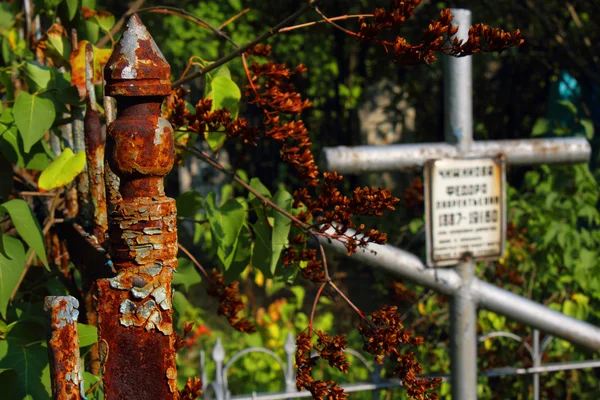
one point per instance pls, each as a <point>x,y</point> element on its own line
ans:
<point>481,38</point>
<point>327,348</point>
<point>181,340</point>
<point>230,304</point>
<point>383,334</point>
<point>192,389</point>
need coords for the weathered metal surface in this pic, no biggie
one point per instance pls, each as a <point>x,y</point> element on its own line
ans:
<point>63,348</point>
<point>137,67</point>
<point>134,309</point>
<point>94,150</point>
<point>110,179</point>
<point>362,159</point>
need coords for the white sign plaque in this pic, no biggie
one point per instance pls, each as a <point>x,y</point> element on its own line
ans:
<point>465,209</point>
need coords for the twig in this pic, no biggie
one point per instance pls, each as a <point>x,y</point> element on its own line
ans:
<point>230,20</point>
<point>350,303</point>
<point>197,265</point>
<point>341,17</point>
<point>244,48</point>
<point>41,194</point>
<point>117,27</point>
<point>314,307</point>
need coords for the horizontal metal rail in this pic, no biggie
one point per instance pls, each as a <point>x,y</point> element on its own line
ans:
<point>404,265</point>
<point>364,387</point>
<point>361,159</point>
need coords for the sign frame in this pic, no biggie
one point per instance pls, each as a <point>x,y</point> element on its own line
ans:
<point>499,162</point>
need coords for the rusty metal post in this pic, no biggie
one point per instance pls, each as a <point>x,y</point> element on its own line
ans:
<point>63,348</point>
<point>134,308</point>
<point>94,149</point>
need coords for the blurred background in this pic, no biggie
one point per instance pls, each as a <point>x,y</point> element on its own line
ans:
<point>546,88</point>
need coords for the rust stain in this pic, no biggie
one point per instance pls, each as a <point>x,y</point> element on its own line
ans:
<point>63,348</point>
<point>94,151</point>
<point>134,309</point>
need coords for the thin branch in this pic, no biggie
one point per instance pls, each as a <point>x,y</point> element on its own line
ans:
<point>341,17</point>
<point>39,194</point>
<point>197,265</point>
<point>350,303</point>
<point>248,46</point>
<point>314,307</point>
<point>230,20</point>
<point>117,27</point>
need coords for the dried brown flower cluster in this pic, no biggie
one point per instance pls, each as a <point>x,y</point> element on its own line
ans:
<point>270,89</point>
<point>383,335</point>
<point>192,389</point>
<point>204,120</point>
<point>482,38</point>
<point>230,304</point>
<point>327,348</point>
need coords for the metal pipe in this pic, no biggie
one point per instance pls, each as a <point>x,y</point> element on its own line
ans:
<point>458,130</point>
<point>536,315</point>
<point>463,336</point>
<point>404,265</point>
<point>458,88</point>
<point>397,157</point>
<point>63,347</point>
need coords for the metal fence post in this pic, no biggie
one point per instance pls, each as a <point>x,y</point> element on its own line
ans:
<point>63,347</point>
<point>458,130</point>
<point>218,356</point>
<point>290,375</point>
<point>134,307</point>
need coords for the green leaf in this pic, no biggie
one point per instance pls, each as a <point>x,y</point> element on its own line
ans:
<point>33,115</point>
<point>38,77</point>
<point>88,334</point>
<point>189,203</point>
<point>12,263</point>
<point>588,128</point>
<point>568,106</point>
<point>226,224</point>
<point>180,303</point>
<point>541,127</point>
<point>215,140</point>
<point>105,20</point>
<point>186,274</point>
<point>29,364</point>
<point>299,292</point>
<point>62,170</point>
<point>72,7</point>
<point>241,259</point>
<point>225,94</point>
<point>281,226</point>
<point>570,308</point>
<point>27,226</point>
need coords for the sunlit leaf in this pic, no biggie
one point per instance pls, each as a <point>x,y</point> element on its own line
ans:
<point>77,61</point>
<point>12,263</point>
<point>225,94</point>
<point>281,226</point>
<point>186,275</point>
<point>62,170</point>
<point>26,225</point>
<point>38,77</point>
<point>88,334</point>
<point>33,115</point>
<point>11,145</point>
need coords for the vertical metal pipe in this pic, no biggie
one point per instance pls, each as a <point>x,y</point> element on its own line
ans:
<point>63,348</point>
<point>135,315</point>
<point>290,375</point>
<point>458,89</point>
<point>463,337</point>
<point>537,361</point>
<point>458,130</point>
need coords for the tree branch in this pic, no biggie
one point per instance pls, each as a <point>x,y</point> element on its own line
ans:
<point>271,32</point>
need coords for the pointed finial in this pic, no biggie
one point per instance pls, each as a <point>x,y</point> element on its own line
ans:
<point>137,67</point>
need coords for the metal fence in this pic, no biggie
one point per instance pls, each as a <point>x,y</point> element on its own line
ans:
<point>218,388</point>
